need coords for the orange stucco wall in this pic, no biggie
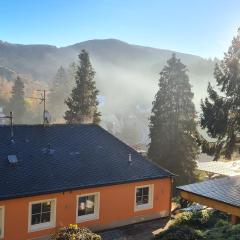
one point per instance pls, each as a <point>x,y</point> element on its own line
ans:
<point>116,204</point>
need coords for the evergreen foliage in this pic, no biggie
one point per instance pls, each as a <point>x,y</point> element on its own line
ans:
<point>82,104</point>
<point>17,102</point>
<point>172,124</point>
<point>200,225</point>
<point>60,90</point>
<point>221,110</point>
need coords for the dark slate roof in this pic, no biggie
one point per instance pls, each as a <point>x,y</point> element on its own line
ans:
<point>66,157</point>
<point>225,189</point>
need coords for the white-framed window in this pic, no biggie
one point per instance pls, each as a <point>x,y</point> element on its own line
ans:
<point>2,213</point>
<point>144,197</point>
<point>88,207</point>
<point>42,215</point>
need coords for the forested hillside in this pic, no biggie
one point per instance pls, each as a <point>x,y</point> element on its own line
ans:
<point>122,69</point>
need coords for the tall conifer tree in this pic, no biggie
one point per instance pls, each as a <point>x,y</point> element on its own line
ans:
<point>17,103</point>
<point>221,110</point>
<point>172,124</point>
<point>82,104</point>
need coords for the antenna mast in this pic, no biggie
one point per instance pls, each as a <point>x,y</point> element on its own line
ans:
<point>10,117</point>
<point>42,99</point>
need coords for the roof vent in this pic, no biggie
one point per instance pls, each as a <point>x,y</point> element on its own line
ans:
<point>12,159</point>
<point>130,158</point>
<point>48,150</point>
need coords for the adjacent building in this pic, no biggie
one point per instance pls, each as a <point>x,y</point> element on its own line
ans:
<point>221,193</point>
<point>52,176</point>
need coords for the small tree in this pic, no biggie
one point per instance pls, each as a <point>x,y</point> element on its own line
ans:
<point>221,110</point>
<point>17,102</point>
<point>73,232</point>
<point>172,123</point>
<point>82,104</point>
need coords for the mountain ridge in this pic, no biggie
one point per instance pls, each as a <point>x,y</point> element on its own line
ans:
<point>98,40</point>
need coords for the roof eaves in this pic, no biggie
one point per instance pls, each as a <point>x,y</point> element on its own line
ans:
<point>59,190</point>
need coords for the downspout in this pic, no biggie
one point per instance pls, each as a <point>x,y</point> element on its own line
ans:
<point>170,200</point>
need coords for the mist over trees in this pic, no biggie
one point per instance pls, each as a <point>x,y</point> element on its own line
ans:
<point>220,110</point>
<point>125,75</point>
<point>59,91</point>
<point>172,123</point>
<point>17,103</point>
<point>82,104</point>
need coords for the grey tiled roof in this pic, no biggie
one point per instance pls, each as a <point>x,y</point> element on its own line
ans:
<point>61,157</point>
<point>226,189</point>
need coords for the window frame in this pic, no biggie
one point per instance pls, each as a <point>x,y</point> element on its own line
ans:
<point>92,216</point>
<point>3,221</point>
<point>148,205</point>
<point>46,225</point>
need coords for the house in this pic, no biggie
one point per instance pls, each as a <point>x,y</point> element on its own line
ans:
<point>51,176</point>
<point>219,168</point>
<point>222,194</point>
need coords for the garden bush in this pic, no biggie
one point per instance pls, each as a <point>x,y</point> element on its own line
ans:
<point>73,232</point>
<point>225,232</point>
<point>181,232</point>
<point>201,225</point>
<point>199,219</point>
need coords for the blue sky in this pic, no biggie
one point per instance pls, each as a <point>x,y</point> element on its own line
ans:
<point>201,27</point>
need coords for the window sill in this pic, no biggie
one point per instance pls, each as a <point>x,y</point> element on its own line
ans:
<point>86,218</point>
<point>143,207</point>
<point>41,226</point>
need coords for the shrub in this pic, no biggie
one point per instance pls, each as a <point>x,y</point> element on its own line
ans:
<point>221,223</point>
<point>200,219</point>
<point>225,232</point>
<point>181,232</point>
<point>183,218</point>
<point>73,232</point>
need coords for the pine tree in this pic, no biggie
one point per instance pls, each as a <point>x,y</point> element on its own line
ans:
<point>82,104</point>
<point>221,110</point>
<point>17,103</point>
<point>72,70</point>
<point>172,124</point>
<point>60,90</point>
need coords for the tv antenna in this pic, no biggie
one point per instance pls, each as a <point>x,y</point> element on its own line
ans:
<point>42,98</point>
<point>10,117</point>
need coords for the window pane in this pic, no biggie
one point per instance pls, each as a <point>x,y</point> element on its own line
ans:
<point>36,219</point>
<point>82,206</point>
<point>145,190</point>
<point>86,205</point>
<point>139,192</point>
<point>139,200</point>
<point>82,200</point>
<point>81,212</point>
<point>90,205</point>
<point>46,217</point>
<point>145,199</point>
<point>46,206</point>
<point>36,208</point>
<point>91,198</point>
<point>89,210</point>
